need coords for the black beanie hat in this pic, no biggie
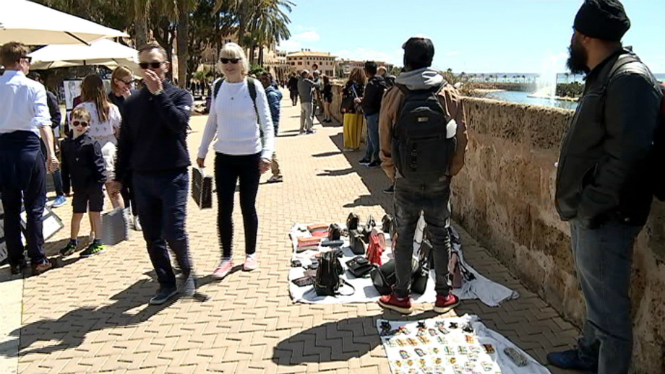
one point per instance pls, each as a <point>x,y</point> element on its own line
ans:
<point>602,19</point>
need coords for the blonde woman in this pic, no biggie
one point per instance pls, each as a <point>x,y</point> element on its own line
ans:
<point>104,127</point>
<point>243,151</point>
<point>122,87</point>
<point>353,117</point>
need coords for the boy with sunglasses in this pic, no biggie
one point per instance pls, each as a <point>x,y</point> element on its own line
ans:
<point>83,166</point>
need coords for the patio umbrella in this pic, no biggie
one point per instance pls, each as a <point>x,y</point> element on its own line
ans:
<point>102,52</point>
<point>34,24</point>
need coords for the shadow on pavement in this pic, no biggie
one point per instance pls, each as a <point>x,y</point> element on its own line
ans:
<point>336,341</point>
<point>69,331</point>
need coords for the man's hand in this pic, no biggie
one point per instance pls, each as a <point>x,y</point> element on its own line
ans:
<point>114,188</point>
<point>357,100</point>
<point>152,81</point>
<point>201,162</point>
<point>126,92</point>
<point>264,165</point>
<point>52,164</point>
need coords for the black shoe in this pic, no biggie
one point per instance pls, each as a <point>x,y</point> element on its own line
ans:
<point>364,161</point>
<point>374,164</point>
<point>188,287</point>
<point>570,360</point>
<point>390,190</point>
<point>163,295</point>
<point>69,249</point>
<point>17,269</point>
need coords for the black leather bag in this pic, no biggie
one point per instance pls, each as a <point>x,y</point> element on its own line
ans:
<point>352,222</point>
<point>384,277</point>
<point>357,242</point>
<point>328,279</point>
<point>359,266</point>
<point>367,229</point>
<point>201,188</point>
<point>334,232</point>
<point>388,225</point>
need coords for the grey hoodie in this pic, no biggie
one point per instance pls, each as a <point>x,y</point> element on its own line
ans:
<point>420,79</point>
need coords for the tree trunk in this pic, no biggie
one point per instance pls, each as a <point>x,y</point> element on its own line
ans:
<point>261,56</point>
<point>182,42</point>
<point>140,23</point>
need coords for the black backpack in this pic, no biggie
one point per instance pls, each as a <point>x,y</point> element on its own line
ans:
<point>423,136</point>
<point>328,278</point>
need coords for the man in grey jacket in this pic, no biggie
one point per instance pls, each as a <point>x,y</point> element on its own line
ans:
<point>305,91</point>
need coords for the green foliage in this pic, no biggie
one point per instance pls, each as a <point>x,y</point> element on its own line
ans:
<point>574,89</point>
<point>256,69</point>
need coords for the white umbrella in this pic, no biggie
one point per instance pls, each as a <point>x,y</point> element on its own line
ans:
<point>34,24</point>
<point>102,52</point>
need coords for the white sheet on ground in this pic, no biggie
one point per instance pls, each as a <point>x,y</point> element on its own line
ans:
<point>452,352</point>
<point>487,291</point>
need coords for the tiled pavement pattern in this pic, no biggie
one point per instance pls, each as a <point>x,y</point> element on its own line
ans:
<point>92,315</point>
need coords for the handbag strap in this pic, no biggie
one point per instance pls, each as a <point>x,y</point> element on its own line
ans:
<point>348,284</point>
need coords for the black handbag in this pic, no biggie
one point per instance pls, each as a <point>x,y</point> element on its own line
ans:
<point>359,266</point>
<point>357,242</point>
<point>384,277</point>
<point>367,229</point>
<point>201,188</point>
<point>352,222</point>
<point>388,225</point>
<point>334,232</point>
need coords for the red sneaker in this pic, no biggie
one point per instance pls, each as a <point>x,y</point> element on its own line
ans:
<point>393,303</point>
<point>445,303</point>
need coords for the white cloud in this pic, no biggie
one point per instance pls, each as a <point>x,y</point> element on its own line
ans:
<point>362,54</point>
<point>299,41</point>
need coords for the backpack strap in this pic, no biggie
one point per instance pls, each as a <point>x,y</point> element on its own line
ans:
<point>251,83</point>
<point>622,61</point>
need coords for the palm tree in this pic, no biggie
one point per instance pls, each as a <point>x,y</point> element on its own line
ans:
<point>269,24</point>
<point>139,11</point>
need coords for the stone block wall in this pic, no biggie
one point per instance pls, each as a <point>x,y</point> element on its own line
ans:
<point>504,197</point>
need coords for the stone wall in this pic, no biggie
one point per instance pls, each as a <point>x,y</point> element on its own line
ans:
<point>504,197</point>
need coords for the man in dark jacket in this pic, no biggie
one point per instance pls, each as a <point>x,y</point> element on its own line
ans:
<point>56,117</point>
<point>293,88</point>
<point>603,181</point>
<point>274,97</point>
<point>371,104</point>
<point>153,145</point>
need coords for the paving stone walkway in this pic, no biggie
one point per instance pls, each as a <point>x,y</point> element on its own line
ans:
<point>91,316</point>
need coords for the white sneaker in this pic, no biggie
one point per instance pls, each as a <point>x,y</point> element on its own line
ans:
<point>137,224</point>
<point>251,263</point>
<point>223,269</point>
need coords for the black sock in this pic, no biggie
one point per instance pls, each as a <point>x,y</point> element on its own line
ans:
<point>74,241</point>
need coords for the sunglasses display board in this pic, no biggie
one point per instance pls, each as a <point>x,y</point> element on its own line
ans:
<point>458,345</point>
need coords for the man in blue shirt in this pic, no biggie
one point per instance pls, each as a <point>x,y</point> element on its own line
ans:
<point>274,101</point>
<point>24,116</point>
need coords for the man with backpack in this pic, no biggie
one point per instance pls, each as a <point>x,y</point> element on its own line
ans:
<point>605,181</point>
<point>422,141</point>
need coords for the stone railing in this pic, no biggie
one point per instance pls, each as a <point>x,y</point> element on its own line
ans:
<point>504,197</point>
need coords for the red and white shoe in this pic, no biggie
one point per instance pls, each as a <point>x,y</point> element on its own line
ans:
<point>223,269</point>
<point>251,263</point>
<point>445,303</point>
<point>393,303</point>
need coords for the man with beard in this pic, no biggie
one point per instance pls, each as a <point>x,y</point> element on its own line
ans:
<point>603,185</point>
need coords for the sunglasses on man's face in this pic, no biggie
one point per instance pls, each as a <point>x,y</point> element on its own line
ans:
<point>152,65</point>
<point>231,60</point>
<point>80,123</point>
<point>27,58</point>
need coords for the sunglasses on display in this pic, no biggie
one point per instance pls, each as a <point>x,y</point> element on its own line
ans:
<point>80,123</point>
<point>153,65</point>
<point>231,60</point>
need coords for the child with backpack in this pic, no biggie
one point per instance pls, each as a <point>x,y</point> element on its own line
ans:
<point>83,168</point>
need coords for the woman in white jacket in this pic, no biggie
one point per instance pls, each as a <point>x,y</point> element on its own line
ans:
<point>243,151</point>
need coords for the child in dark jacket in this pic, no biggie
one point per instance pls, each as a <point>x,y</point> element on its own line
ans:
<point>83,168</point>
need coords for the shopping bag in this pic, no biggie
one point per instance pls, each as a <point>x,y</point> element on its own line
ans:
<point>51,223</point>
<point>201,188</point>
<point>115,226</point>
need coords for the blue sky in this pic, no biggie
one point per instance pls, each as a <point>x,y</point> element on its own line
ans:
<point>474,36</point>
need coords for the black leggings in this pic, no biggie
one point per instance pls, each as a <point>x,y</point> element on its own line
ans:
<point>228,170</point>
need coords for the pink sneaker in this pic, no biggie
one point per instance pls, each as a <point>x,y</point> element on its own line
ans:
<point>250,263</point>
<point>223,269</point>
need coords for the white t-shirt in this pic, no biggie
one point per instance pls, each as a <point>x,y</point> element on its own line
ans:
<point>98,129</point>
<point>233,119</point>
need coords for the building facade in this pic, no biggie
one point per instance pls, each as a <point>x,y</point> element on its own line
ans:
<point>305,59</point>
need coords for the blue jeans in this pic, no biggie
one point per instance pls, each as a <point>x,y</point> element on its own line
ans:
<point>162,203</point>
<point>432,200</point>
<point>603,260</point>
<point>57,183</point>
<point>373,146</point>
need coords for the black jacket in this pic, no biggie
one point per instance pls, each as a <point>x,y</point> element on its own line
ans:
<point>374,90</point>
<point>351,91</point>
<point>153,134</point>
<point>82,163</point>
<point>602,172</point>
<point>293,84</point>
<point>53,109</point>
